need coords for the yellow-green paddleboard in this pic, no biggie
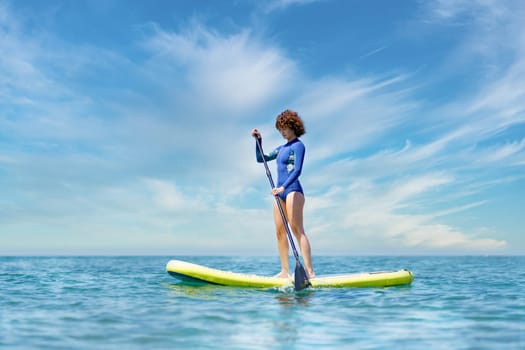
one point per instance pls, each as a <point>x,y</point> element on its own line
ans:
<point>189,271</point>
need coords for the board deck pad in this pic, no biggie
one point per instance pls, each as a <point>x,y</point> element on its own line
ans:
<point>193,272</point>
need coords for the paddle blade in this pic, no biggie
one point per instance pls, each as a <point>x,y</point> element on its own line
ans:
<point>301,279</point>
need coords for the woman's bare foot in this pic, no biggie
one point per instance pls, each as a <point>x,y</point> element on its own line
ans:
<point>282,274</point>
<point>311,274</point>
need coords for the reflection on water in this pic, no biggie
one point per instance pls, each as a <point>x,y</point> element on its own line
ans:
<point>287,324</point>
<point>284,321</point>
<point>290,299</point>
<point>272,312</point>
<point>204,291</point>
<point>286,296</point>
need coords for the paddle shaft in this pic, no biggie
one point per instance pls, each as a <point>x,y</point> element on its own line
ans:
<point>277,201</point>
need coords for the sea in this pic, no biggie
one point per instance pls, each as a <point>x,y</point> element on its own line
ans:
<point>454,302</point>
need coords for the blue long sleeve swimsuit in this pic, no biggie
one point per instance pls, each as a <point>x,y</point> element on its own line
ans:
<point>290,157</point>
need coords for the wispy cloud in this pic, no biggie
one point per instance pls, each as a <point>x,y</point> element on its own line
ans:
<point>504,152</point>
<point>373,52</point>
<point>359,112</point>
<point>390,214</point>
<point>448,9</point>
<point>167,196</point>
<point>235,73</point>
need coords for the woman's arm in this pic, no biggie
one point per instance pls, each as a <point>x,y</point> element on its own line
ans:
<point>271,156</point>
<point>258,156</point>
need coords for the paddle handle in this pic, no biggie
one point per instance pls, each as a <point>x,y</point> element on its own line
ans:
<point>277,201</point>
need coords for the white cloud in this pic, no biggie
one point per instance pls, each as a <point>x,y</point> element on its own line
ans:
<point>486,12</point>
<point>448,9</point>
<point>168,197</point>
<point>391,196</point>
<point>373,52</point>
<point>502,152</point>
<point>391,215</point>
<point>236,73</point>
<point>343,115</point>
<point>502,102</point>
<point>166,194</point>
<point>401,192</point>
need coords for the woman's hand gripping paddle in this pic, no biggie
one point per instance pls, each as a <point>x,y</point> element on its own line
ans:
<point>301,278</point>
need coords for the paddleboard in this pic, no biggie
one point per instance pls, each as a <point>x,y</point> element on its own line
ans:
<point>187,271</point>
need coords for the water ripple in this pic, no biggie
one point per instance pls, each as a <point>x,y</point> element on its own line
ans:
<point>131,303</point>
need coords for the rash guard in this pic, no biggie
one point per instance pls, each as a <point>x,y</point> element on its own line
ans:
<point>290,157</point>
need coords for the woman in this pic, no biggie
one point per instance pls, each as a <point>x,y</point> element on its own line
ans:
<point>290,158</point>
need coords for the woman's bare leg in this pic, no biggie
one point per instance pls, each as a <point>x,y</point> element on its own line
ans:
<point>282,240</point>
<point>294,209</point>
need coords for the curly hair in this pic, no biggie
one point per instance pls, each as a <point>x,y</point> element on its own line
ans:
<point>290,119</point>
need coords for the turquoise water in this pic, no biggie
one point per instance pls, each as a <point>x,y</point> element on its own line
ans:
<point>132,303</point>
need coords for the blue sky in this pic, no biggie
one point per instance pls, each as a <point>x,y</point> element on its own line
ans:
<point>125,125</point>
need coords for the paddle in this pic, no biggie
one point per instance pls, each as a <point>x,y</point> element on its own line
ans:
<point>301,279</point>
